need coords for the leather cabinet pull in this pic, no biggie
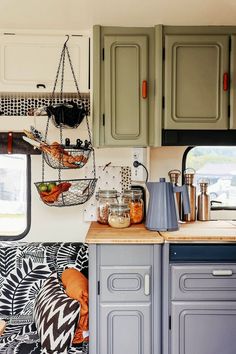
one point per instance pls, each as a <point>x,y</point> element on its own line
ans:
<point>144,89</point>
<point>9,142</point>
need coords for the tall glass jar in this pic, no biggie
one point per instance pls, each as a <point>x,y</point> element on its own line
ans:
<point>104,199</point>
<point>133,197</point>
<point>119,216</point>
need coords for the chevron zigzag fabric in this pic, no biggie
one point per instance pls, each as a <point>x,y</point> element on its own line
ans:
<point>56,316</point>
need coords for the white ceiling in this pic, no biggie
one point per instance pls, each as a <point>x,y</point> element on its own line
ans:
<point>83,14</point>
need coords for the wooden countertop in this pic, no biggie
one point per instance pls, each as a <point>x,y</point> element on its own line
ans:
<point>134,234</point>
<point>203,231</point>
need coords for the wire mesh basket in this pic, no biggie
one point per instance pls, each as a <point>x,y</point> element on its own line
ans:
<point>66,192</point>
<point>66,158</point>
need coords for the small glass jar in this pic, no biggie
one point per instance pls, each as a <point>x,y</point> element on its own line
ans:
<point>119,216</point>
<point>133,197</point>
<point>104,199</point>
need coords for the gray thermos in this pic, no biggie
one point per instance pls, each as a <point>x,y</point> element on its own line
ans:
<point>174,179</point>
<point>189,174</point>
<point>203,203</point>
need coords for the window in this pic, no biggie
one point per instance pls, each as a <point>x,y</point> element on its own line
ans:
<point>217,165</point>
<point>14,196</point>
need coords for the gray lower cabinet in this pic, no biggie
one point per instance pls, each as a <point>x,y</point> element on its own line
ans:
<point>202,308</point>
<point>125,288</point>
<point>203,327</point>
<point>196,81</point>
<point>126,329</point>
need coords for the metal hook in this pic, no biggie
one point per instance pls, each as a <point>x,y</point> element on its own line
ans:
<point>68,37</point>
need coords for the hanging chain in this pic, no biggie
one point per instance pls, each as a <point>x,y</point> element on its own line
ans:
<point>43,167</point>
<point>86,117</point>
<point>73,73</point>
<point>63,70</point>
<point>61,96</point>
<point>61,67</point>
<point>58,72</point>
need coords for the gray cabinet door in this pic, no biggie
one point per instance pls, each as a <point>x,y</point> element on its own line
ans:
<point>125,329</point>
<point>196,93</point>
<point>203,282</point>
<point>126,283</point>
<point>125,72</point>
<point>203,328</point>
<point>125,299</point>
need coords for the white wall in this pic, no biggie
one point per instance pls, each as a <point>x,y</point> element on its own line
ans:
<point>82,14</point>
<point>164,159</point>
<point>65,223</point>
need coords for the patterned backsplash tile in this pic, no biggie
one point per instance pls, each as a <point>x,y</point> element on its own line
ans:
<point>17,104</point>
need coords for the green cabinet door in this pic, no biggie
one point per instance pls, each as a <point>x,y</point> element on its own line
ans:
<point>233,83</point>
<point>125,71</point>
<point>196,68</point>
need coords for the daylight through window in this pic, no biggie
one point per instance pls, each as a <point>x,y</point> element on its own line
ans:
<point>13,195</point>
<point>217,165</point>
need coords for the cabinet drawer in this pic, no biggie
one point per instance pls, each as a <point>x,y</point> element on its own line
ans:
<point>126,283</point>
<point>203,282</point>
<point>130,255</point>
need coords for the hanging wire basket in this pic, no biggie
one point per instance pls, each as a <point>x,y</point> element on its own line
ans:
<point>61,193</point>
<point>66,192</point>
<point>56,156</point>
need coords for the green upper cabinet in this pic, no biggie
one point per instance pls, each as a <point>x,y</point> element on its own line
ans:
<point>196,81</point>
<point>233,83</point>
<point>126,106</point>
<point>123,86</point>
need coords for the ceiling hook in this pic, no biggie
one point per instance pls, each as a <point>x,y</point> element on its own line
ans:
<point>68,37</point>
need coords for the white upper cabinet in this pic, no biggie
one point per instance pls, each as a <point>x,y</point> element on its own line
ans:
<point>28,63</point>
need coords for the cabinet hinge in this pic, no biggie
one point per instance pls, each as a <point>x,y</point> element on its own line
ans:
<point>103,119</point>
<point>170,323</point>
<point>163,54</point>
<point>163,102</point>
<point>230,45</point>
<point>229,111</point>
<point>103,54</point>
<point>98,287</point>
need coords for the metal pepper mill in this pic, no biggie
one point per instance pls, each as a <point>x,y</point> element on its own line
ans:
<point>189,174</point>
<point>174,179</point>
<point>203,203</point>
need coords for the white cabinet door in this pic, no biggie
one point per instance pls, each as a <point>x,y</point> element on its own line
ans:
<point>28,63</point>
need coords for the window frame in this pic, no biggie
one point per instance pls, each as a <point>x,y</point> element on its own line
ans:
<point>184,159</point>
<point>28,206</point>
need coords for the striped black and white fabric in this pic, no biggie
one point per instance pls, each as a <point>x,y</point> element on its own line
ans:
<point>55,316</point>
<point>24,268</point>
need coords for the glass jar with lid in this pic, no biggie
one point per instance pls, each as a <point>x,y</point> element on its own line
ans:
<point>133,197</point>
<point>104,199</point>
<point>119,216</point>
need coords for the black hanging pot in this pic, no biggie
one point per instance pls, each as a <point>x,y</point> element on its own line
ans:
<point>67,114</point>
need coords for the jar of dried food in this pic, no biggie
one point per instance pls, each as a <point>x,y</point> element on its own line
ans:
<point>119,216</point>
<point>133,197</point>
<point>104,199</point>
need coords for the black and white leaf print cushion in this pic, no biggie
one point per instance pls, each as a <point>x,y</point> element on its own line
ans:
<point>56,316</point>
